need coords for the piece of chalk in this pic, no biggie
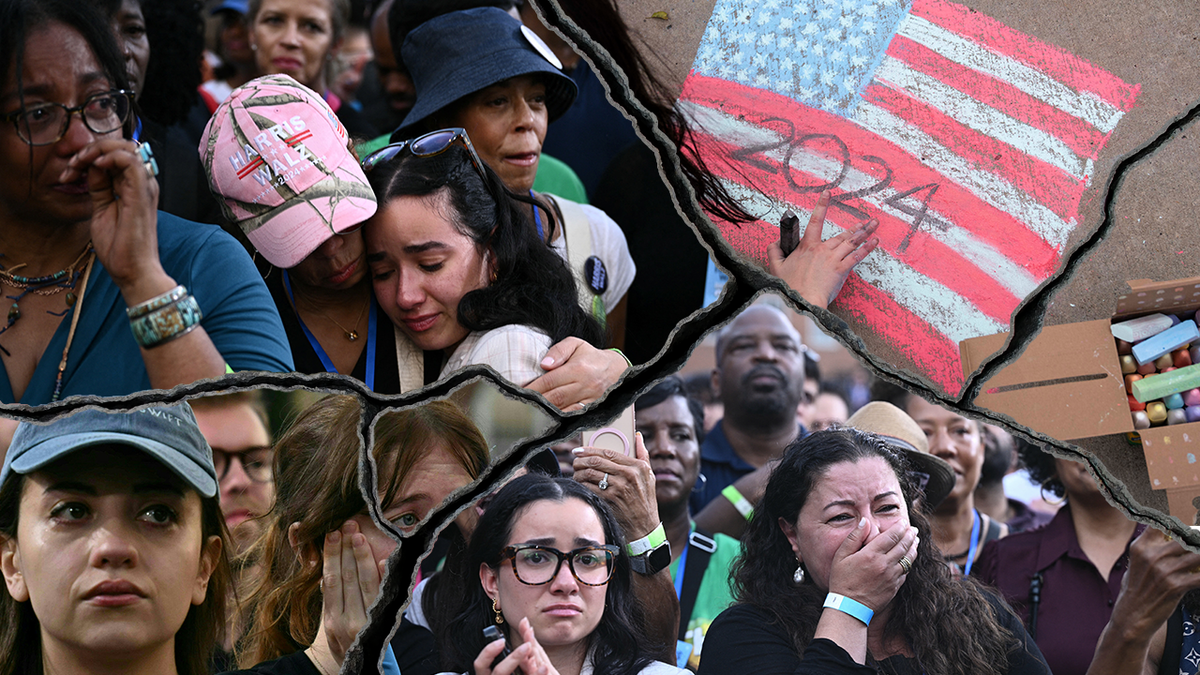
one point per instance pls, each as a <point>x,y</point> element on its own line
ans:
<point>1191,397</point>
<point>1181,358</point>
<point>1124,348</point>
<point>1140,420</point>
<point>1176,417</point>
<point>1193,413</point>
<point>1163,362</point>
<point>1193,351</point>
<point>1128,364</point>
<point>1135,404</point>
<point>1130,379</point>
<point>1142,327</point>
<point>1166,342</point>
<point>1156,411</point>
<point>1164,384</point>
<point>1173,402</point>
<point>1146,368</point>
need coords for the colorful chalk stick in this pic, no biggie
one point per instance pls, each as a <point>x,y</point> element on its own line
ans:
<point>1163,384</point>
<point>1143,327</point>
<point>1134,404</point>
<point>1166,342</point>
<point>1157,412</point>
<point>1140,420</point>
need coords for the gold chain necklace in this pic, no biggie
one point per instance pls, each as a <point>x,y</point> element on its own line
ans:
<point>351,335</point>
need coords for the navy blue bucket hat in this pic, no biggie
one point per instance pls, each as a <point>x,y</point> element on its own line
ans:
<point>459,53</point>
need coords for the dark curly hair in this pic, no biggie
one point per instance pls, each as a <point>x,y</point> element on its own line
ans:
<point>533,285</point>
<point>1040,465</point>
<point>947,620</point>
<point>617,645</point>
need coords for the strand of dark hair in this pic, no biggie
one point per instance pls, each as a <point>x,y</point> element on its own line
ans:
<point>601,21</point>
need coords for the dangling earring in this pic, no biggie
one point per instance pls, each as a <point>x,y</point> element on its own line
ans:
<point>1062,500</point>
<point>798,575</point>
<point>703,483</point>
<point>496,609</point>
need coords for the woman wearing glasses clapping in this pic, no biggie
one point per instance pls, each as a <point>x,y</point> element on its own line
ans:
<point>105,295</point>
<point>554,582</point>
<point>456,265</point>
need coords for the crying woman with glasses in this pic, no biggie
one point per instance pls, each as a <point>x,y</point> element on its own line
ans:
<point>104,294</point>
<point>555,583</point>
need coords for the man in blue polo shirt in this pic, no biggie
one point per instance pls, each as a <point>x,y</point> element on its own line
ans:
<point>760,380</point>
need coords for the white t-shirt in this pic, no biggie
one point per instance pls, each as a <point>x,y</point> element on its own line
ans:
<point>608,244</point>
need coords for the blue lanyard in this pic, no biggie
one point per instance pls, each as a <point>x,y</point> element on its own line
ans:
<point>974,545</point>
<point>679,574</point>
<point>683,565</point>
<point>537,219</point>
<point>312,340</point>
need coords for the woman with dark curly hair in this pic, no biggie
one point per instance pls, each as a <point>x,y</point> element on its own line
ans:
<point>554,581</point>
<point>1063,579</point>
<point>456,264</point>
<point>839,575</point>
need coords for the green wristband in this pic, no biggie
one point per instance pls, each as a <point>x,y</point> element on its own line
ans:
<point>648,542</point>
<point>739,502</point>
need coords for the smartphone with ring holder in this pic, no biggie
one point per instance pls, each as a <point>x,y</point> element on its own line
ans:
<point>617,436</point>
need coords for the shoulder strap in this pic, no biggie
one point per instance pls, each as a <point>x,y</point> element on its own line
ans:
<point>577,236</point>
<point>410,362</point>
<point>992,532</point>
<point>700,549</point>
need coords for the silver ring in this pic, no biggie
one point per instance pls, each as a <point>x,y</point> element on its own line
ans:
<point>905,565</point>
<point>604,482</point>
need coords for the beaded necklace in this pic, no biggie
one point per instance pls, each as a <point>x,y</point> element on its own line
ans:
<point>50,284</point>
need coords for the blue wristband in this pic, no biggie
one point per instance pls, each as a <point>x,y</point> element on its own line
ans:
<point>850,606</point>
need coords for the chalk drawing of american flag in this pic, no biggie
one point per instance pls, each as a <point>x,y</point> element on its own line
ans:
<point>972,143</point>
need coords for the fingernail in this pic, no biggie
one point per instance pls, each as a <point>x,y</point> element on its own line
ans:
<point>862,522</point>
<point>577,451</point>
<point>359,540</point>
<point>548,362</point>
<point>335,537</point>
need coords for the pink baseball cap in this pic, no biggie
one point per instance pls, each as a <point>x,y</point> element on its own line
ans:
<point>277,156</point>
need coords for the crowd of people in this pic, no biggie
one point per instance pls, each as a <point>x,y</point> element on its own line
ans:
<point>361,189</point>
<point>207,538</point>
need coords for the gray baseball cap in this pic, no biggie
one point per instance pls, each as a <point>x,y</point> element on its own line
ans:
<point>166,433</point>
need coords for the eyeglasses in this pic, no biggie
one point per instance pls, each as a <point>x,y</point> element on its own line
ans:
<point>428,145</point>
<point>535,565</point>
<point>256,462</point>
<point>46,123</point>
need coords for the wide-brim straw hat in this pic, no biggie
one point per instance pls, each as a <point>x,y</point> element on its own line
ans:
<point>902,432</point>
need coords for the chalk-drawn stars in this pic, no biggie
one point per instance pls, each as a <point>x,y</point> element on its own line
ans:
<point>819,53</point>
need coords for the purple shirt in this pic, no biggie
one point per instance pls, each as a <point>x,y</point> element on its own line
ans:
<point>1076,602</point>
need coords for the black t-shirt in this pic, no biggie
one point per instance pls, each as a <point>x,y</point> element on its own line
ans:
<point>414,647</point>
<point>745,639</point>
<point>292,664</point>
<point>387,371</point>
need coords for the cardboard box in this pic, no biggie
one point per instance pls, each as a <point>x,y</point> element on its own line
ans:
<point>1068,383</point>
<point>1181,505</point>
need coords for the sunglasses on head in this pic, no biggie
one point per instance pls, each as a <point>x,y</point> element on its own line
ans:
<point>428,145</point>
